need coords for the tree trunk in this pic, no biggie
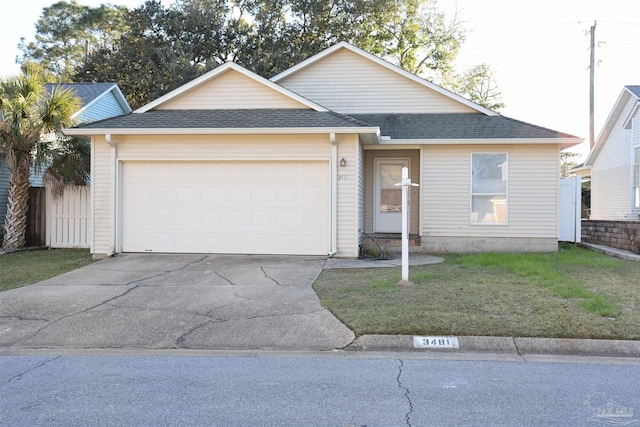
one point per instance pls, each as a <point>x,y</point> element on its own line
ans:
<point>15,223</point>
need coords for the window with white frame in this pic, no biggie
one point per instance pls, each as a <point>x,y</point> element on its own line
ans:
<point>489,183</point>
<point>636,178</point>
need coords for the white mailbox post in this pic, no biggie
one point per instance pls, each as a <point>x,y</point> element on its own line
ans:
<point>406,185</point>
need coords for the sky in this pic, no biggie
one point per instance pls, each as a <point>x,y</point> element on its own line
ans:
<point>539,50</point>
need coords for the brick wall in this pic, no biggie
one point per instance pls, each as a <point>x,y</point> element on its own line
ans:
<point>617,234</point>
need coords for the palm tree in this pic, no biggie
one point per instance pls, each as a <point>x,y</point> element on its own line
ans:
<point>31,123</point>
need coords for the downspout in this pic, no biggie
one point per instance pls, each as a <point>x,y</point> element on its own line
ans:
<point>112,196</point>
<point>334,194</point>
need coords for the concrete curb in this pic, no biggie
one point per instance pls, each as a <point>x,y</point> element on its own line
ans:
<point>506,345</point>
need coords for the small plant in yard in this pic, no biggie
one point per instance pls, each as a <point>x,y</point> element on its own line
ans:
<point>574,293</point>
<point>24,268</point>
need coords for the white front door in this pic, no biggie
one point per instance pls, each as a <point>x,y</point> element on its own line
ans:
<point>387,209</point>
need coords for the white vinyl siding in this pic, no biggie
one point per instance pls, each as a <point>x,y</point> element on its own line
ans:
<point>611,178</point>
<point>230,90</point>
<point>635,129</point>
<point>361,191</point>
<point>101,182</point>
<point>346,82</point>
<point>348,184</point>
<point>636,178</point>
<point>533,192</point>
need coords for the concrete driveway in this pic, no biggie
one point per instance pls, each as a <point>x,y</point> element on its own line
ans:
<point>175,301</point>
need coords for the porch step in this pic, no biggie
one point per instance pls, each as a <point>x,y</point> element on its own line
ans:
<point>393,242</point>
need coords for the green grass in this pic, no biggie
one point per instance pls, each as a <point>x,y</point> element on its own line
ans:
<point>574,293</point>
<point>24,268</point>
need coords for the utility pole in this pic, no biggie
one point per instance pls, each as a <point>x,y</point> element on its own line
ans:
<point>592,69</point>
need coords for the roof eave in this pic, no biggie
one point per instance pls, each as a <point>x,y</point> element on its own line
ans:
<point>219,131</point>
<point>564,142</point>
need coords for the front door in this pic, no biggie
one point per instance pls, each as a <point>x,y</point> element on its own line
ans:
<point>387,209</point>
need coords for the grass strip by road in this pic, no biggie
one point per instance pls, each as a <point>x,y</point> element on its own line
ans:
<point>574,293</point>
<point>24,268</point>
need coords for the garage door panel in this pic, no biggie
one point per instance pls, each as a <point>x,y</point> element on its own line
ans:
<point>235,207</point>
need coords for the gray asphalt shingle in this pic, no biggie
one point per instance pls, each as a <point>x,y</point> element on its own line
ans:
<point>397,126</point>
<point>226,119</point>
<point>455,126</point>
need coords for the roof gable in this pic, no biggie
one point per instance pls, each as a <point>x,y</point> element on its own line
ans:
<point>229,86</point>
<point>349,80</point>
<point>91,95</point>
<point>629,94</point>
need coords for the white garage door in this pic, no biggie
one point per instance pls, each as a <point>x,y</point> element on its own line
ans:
<point>226,207</point>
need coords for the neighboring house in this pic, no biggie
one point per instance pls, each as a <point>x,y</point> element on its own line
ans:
<point>235,163</point>
<point>614,162</point>
<point>97,101</point>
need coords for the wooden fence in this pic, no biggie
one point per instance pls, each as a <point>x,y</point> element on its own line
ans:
<point>36,218</point>
<point>68,218</point>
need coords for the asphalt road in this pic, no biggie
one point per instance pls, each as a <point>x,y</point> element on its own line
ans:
<point>325,390</point>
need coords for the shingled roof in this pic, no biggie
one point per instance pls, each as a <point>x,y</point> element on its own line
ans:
<point>455,126</point>
<point>228,119</point>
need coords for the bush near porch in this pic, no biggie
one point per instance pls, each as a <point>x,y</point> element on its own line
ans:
<point>574,293</point>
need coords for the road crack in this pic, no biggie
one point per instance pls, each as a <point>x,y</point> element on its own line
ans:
<point>406,393</point>
<point>33,368</point>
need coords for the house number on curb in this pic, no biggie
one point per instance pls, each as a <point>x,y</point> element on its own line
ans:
<point>435,342</point>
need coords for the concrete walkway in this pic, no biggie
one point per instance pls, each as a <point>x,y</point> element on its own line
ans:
<point>415,258</point>
<point>175,301</point>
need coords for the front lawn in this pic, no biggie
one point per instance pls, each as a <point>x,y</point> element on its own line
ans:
<point>24,268</point>
<point>574,293</point>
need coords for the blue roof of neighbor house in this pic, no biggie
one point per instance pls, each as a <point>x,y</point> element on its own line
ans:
<point>634,89</point>
<point>87,92</point>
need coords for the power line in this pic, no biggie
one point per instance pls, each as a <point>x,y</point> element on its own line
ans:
<point>559,24</point>
<point>493,47</point>
<point>622,23</point>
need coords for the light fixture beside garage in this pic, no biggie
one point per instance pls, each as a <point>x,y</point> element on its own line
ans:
<point>343,162</point>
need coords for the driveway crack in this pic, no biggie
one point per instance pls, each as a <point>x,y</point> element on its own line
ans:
<point>33,368</point>
<point>224,278</point>
<point>25,318</point>
<point>406,393</point>
<point>269,277</point>
<point>135,284</point>
<point>183,337</point>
